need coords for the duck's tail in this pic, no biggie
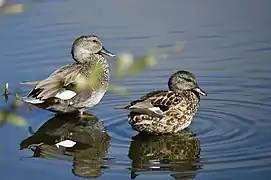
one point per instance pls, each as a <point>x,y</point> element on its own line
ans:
<point>29,82</point>
<point>32,100</point>
<point>123,107</point>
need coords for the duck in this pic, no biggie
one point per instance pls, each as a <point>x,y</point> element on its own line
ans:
<point>59,92</point>
<point>177,154</point>
<point>80,140</point>
<point>167,111</point>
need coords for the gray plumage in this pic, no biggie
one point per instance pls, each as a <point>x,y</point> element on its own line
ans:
<point>161,111</point>
<point>87,132</point>
<point>60,93</point>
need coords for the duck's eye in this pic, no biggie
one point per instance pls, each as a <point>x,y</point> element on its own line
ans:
<point>188,80</point>
<point>95,41</point>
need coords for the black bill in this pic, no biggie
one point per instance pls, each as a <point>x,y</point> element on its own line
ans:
<point>105,52</point>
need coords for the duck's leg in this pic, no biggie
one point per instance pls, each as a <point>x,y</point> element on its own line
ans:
<point>81,113</point>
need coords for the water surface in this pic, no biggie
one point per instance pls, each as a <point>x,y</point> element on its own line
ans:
<point>227,45</point>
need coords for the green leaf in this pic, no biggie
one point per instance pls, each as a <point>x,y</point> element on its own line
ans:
<point>17,96</point>
<point>16,120</point>
<point>118,89</point>
<point>12,118</point>
<point>126,64</point>
<point>13,8</point>
<point>123,64</point>
<point>93,80</point>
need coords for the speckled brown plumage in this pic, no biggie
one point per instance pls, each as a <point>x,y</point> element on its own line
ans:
<point>180,108</point>
<point>162,112</point>
<point>179,153</point>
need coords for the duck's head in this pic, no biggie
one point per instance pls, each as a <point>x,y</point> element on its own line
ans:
<point>86,46</point>
<point>184,81</point>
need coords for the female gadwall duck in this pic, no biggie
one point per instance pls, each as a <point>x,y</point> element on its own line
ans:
<point>59,93</point>
<point>165,112</point>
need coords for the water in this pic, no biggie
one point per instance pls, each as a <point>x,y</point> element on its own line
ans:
<point>227,45</point>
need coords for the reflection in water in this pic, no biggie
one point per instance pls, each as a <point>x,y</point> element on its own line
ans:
<point>179,153</point>
<point>83,138</point>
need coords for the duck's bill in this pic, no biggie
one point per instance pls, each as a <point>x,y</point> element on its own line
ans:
<point>105,52</point>
<point>200,91</point>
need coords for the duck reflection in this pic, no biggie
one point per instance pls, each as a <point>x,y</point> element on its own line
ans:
<point>179,153</point>
<point>83,138</point>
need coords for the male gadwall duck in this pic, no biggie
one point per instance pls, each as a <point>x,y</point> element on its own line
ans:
<point>59,93</point>
<point>166,112</point>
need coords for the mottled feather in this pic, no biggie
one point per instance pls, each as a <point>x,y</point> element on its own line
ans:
<point>161,111</point>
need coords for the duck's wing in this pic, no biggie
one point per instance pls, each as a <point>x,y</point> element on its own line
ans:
<point>155,103</point>
<point>60,84</point>
<point>63,68</point>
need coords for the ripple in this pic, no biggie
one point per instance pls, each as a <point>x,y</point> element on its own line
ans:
<point>231,124</point>
<point>236,138</point>
<point>263,49</point>
<point>119,130</point>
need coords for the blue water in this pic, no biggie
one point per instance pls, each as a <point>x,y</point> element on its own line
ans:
<point>227,45</point>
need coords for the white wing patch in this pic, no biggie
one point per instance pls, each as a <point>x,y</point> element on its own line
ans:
<point>65,143</point>
<point>65,95</point>
<point>156,110</point>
